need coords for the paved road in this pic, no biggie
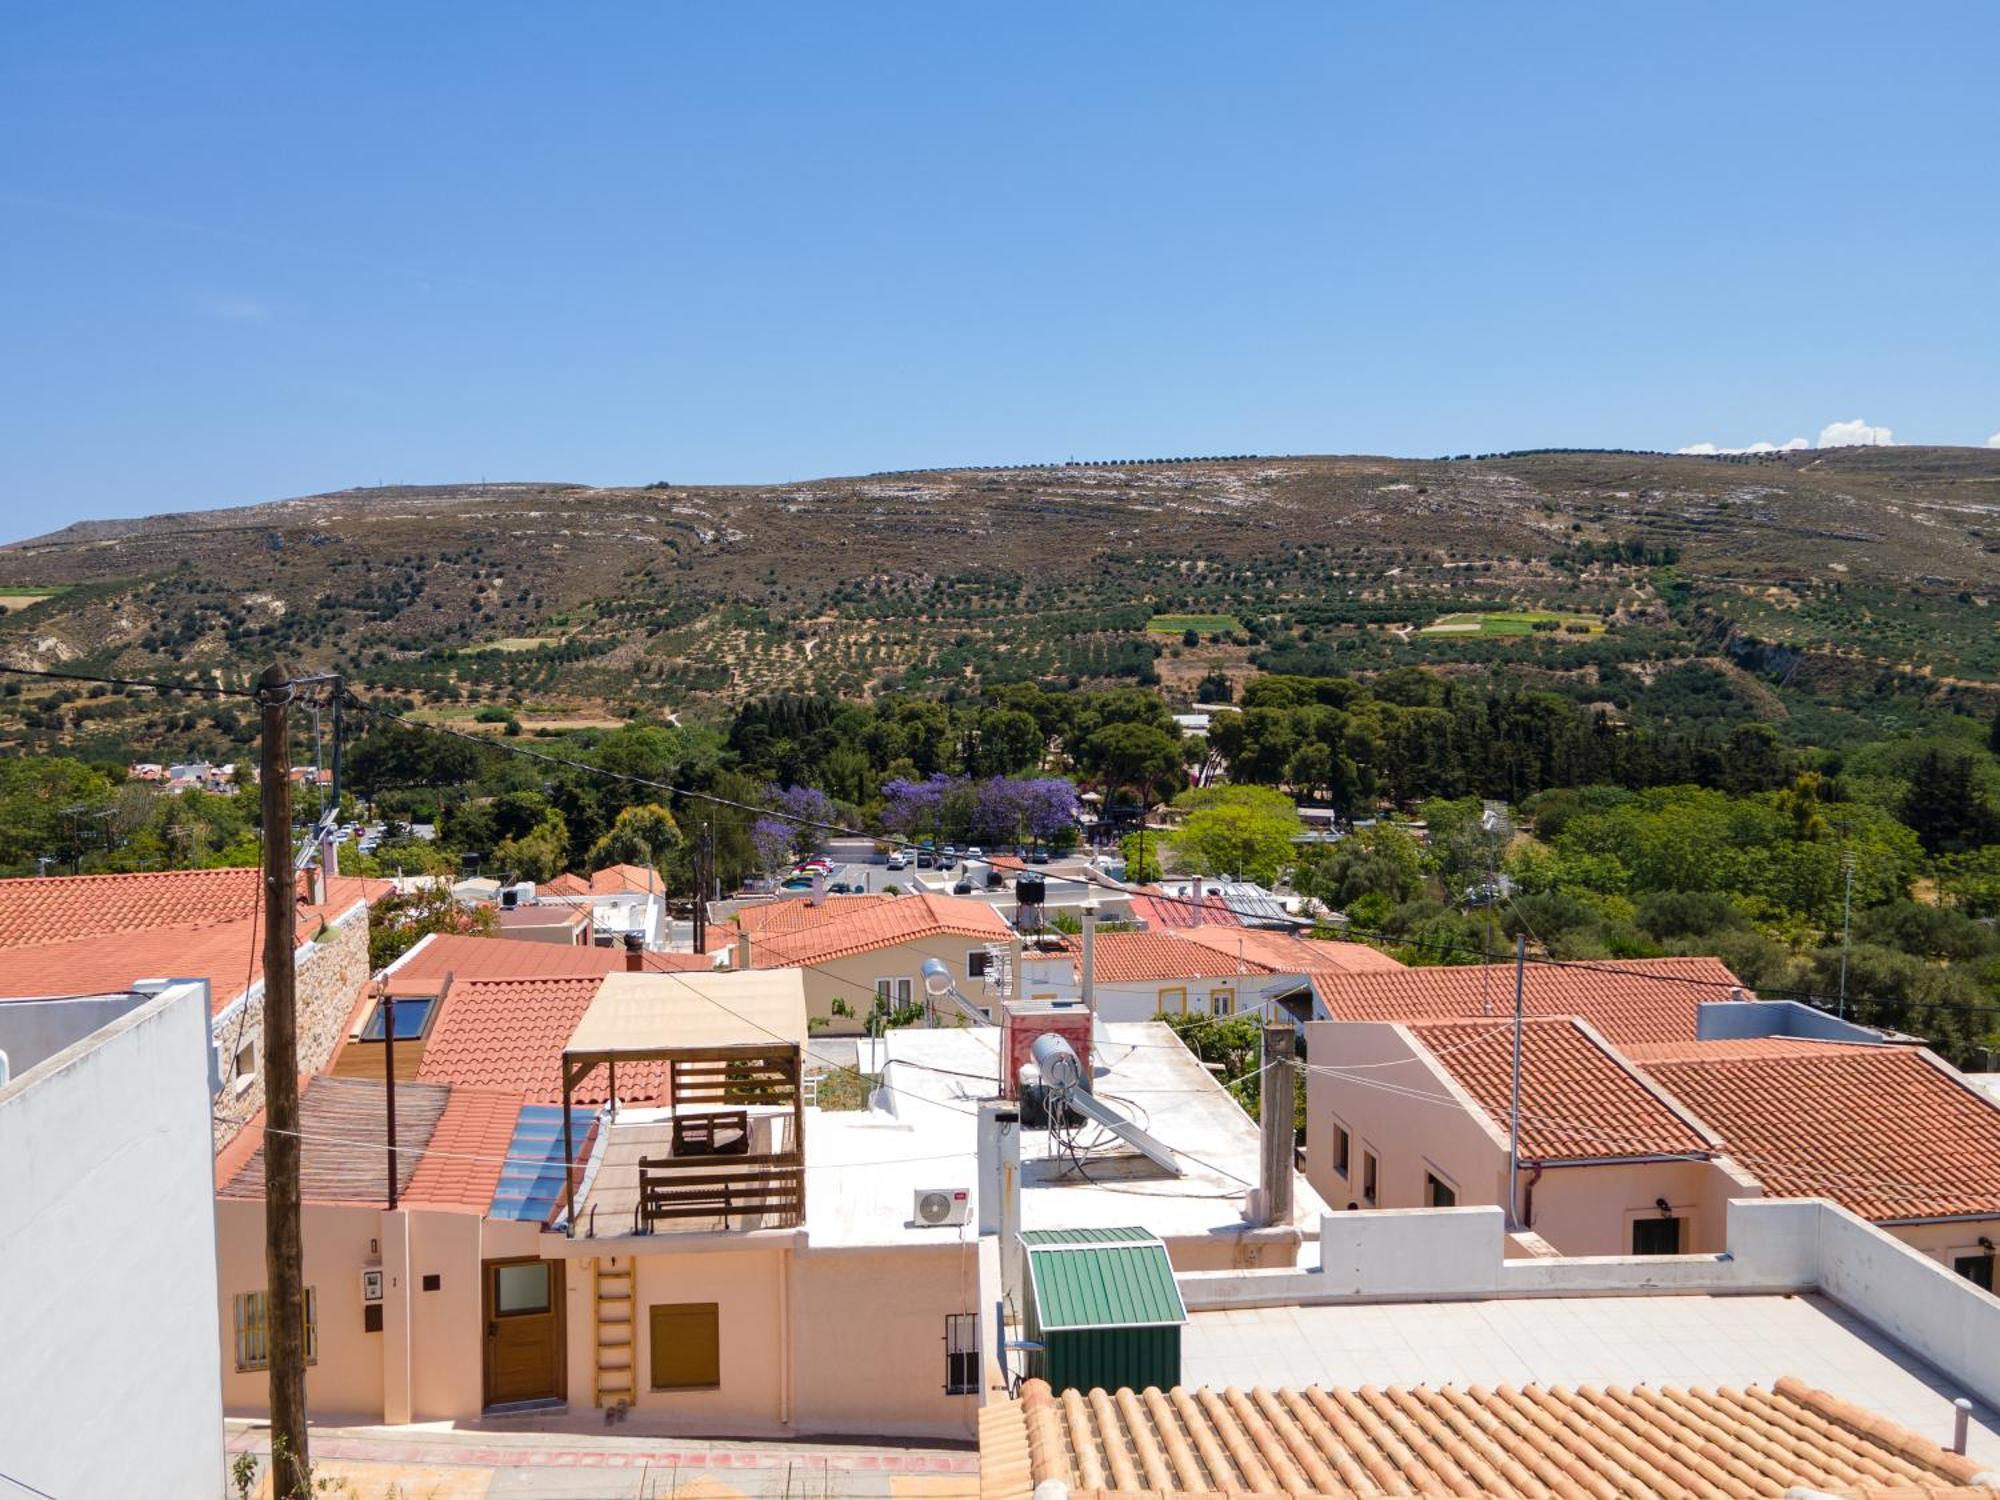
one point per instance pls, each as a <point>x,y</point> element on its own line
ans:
<point>437,1463</point>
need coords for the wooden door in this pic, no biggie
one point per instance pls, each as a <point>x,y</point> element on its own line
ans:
<point>524,1330</point>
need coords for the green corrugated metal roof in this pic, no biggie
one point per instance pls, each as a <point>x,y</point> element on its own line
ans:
<point>1087,1236</point>
<point>1104,1286</point>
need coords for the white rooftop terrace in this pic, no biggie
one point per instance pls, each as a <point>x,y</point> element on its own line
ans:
<point>864,1167</point>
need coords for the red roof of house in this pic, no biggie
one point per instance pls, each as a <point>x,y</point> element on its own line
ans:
<point>884,924</point>
<point>1889,1132</point>
<point>1156,909</point>
<point>1626,1000</point>
<point>507,1035</point>
<point>56,908</point>
<point>796,914</point>
<point>468,1146</point>
<point>1287,954</point>
<point>1142,957</point>
<point>1579,1100</point>
<point>612,880</point>
<point>228,953</point>
<point>473,956</point>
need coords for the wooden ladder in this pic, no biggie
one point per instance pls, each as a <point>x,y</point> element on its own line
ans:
<point>612,1307</point>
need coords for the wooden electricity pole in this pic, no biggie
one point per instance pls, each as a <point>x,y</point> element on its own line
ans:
<point>284,1261</point>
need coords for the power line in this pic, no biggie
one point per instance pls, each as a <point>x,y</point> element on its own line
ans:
<point>206,688</point>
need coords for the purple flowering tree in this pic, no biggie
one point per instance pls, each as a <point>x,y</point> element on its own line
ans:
<point>798,809</point>
<point>772,839</point>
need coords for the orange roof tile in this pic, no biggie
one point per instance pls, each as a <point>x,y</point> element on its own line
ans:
<point>473,956</point>
<point>612,880</point>
<point>795,914</point>
<point>1141,957</point>
<point>884,924</point>
<point>462,1160</point>
<point>1287,954</point>
<point>229,954</point>
<point>1579,1100</point>
<point>1889,1132</point>
<point>1157,910</point>
<point>57,908</point>
<point>1627,1000</point>
<point>1498,1443</point>
<point>507,1035</point>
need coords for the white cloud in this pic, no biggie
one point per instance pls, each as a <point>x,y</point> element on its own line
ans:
<point>1790,445</point>
<point>1994,441</point>
<point>1855,434</point>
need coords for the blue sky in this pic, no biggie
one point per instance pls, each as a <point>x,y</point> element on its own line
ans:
<point>249,252</point>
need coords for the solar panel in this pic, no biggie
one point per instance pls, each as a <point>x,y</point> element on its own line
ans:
<point>531,1183</point>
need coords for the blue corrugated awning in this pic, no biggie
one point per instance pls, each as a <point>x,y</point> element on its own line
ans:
<point>531,1183</point>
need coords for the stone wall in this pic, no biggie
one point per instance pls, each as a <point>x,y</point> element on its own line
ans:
<point>332,972</point>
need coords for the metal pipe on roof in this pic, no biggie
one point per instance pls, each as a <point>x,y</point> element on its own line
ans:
<point>1090,959</point>
<point>1514,1107</point>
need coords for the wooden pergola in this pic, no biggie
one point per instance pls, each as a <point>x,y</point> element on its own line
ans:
<point>732,1043</point>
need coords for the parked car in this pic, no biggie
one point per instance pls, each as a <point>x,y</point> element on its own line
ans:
<point>898,860</point>
<point>926,860</point>
<point>797,883</point>
<point>840,888</point>
<point>1039,857</point>
<point>975,852</point>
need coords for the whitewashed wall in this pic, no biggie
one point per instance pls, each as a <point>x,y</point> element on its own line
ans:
<point>111,1379</point>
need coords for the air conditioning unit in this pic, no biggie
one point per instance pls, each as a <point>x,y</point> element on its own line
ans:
<point>941,1206</point>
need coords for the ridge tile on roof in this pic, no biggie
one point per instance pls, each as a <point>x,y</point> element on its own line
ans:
<point>884,925</point>
<point>1627,1000</point>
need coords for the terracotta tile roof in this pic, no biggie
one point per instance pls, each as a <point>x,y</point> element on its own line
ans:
<point>343,1142</point>
<point>1627,1000</point>
<point>229,954</point>
<point>797,913</point>
<point>884,924</point>
<point>1579,1100</point>
<point>507,1035</point>
<point>61,907</point>
<point>542,916</point>
<point>1159,911</point>
<point>1889,1132</point>
<point>1757,1046</point>
<point>471,956</point>
<point>564,885</point>
<point>461,1162</point>
<point>1287,954</point>
<point>612,880</point>
<point>1503,1442</point>
<point>1141,957</point>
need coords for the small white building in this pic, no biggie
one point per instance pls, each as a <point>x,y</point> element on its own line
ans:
<point>112,1381</point>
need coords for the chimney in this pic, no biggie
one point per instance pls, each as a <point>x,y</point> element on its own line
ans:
<point>635,953</point>
<point>1277,1131</point>
<point>818,896</point>
<point>319,888</point>
<point>1090,958</point>
<point>743,950</point>
<point>1195,895</point>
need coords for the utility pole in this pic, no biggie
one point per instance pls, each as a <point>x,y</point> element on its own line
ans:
<point>1514,1106</point>
<point>284,1260</point>
<point>389,1083</point>
<point>1846,915</point>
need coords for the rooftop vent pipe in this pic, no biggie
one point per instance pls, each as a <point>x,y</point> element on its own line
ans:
<point>635,953</point>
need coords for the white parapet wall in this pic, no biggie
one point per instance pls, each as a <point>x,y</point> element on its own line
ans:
<point>111,1379</point>
<point>1774,1245</point>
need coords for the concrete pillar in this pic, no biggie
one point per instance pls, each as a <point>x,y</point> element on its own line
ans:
<point>397,1296</point>
<point>743,950</point>
<point>1277,1132</point>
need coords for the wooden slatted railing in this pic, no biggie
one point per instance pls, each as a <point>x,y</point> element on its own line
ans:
<point>770,1188</point>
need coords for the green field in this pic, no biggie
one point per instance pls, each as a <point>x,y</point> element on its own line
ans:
<point>1206,624</point>
<point>1508,622</point>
